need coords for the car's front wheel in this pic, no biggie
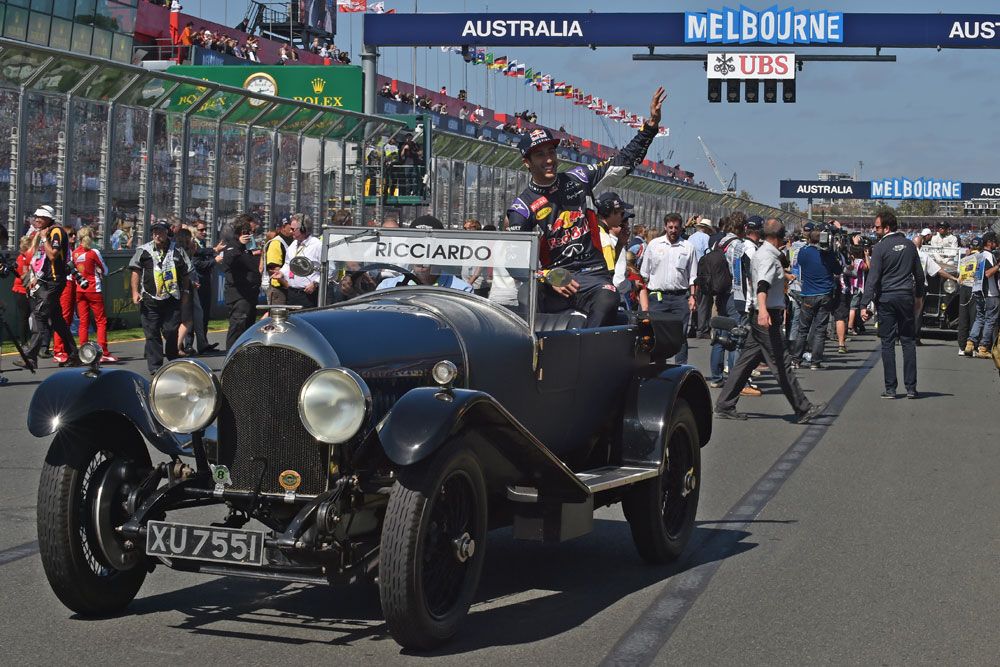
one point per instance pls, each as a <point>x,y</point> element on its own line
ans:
<point>433,544</point>
<point>86,478</point>
<point>661,511</point>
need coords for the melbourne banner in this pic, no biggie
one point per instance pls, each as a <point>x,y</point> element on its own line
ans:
<point>890,188</point>
<point>716,25</point>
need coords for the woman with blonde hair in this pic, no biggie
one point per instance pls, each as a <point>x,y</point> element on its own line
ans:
<point>90,299</point>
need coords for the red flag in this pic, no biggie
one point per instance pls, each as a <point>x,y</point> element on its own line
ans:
<point>349,6</point>
<point>394,87</point>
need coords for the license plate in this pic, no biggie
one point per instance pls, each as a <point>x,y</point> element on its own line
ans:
<point>218,545</point>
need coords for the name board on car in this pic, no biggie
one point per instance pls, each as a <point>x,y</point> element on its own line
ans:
<point>432,251</point>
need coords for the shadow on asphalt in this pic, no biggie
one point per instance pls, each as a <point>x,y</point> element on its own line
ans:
<point>552,588</point>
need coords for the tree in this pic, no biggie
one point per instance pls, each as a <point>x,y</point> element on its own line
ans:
<point>918,207</point>
<point>745,195</point>
<point>789,206</point>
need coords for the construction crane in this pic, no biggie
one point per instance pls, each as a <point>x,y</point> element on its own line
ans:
<point>726,187</point>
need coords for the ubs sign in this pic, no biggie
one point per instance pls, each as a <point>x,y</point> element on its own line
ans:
<point>751,66</point>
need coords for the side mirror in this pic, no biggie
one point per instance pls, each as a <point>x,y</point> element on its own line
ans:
<point>303,266</point>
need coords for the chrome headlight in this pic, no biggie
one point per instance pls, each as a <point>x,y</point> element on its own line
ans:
<point>333,404</point>
<point>90,354</point>
<point>950,286</point>
<point>184,396</point>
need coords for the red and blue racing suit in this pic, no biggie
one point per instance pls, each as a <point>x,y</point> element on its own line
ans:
<point>570,236</point>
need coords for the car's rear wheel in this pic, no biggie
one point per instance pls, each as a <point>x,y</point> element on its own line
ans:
<point>661,511</point>
<point>86,478</point>
<point>433,544</point>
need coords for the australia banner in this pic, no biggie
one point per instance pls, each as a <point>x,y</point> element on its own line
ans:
<point>890,189</point>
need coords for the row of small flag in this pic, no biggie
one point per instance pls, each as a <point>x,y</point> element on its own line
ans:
<point>548,84</point>
<point>354,6</point>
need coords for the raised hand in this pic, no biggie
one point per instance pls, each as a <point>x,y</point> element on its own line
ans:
<point>656,106</point>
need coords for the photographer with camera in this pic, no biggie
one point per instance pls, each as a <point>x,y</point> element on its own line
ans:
<point>895,282</point>
<point>766,342</point>
<point>820,270</point>
<point>50,265</point>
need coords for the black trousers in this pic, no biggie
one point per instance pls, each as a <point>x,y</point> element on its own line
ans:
<point>814,317</point>
<point>23,313</point>
<point>703,312</point>
<point>160,321</point>
<point>47,313</point>
<point>966,313</point>
<point>204,297</point>
<point>764,344</point>
<point>241,317</point>
<point>298,297</point>
<point>597,298</point>
<point>896,321</point>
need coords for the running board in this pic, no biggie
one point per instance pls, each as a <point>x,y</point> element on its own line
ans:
<point>610,477</point>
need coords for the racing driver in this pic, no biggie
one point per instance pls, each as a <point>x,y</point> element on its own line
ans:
<point>556,204</point>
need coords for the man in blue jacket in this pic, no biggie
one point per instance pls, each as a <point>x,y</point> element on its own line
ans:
<point>818,273</point>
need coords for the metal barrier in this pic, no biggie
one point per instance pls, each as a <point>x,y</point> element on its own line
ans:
<point>117,146</point>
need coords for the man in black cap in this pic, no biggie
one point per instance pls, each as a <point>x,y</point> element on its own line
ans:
<point>556,204</point>
<point>159,282</point>
<point>613,215</point>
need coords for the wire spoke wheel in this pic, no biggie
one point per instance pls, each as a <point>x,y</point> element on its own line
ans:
<point>432,550</point>
<point>87,475</point>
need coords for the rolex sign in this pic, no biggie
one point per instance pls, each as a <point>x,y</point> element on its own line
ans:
<point>335,86</point>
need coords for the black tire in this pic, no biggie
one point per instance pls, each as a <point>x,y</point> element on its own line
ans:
<point>425,587</point>
<point>77,568</point>
<point>661,511</point>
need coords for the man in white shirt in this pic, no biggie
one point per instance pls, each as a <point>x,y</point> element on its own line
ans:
<point>766,341</point>
<point>303,290</point>
<point>931,268</point>
<point>944,245</point>
<point>669,267</point>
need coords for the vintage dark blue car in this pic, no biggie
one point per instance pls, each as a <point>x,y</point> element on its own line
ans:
<point>378,438</point>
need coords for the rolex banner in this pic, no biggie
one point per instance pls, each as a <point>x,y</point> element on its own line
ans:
<point>334,86</point>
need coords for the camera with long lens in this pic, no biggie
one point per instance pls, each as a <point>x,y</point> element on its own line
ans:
<point>78,277</point>
<point>728,333</point>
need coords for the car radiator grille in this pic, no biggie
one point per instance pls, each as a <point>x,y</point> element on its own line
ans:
<point>260,432</point>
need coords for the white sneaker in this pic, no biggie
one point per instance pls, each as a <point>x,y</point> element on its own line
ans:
<point>961,352</point>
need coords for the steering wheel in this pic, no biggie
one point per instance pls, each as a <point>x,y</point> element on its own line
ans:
<point>358,277</point>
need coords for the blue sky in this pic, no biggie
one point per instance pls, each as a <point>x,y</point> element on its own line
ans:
<point>931,114</point>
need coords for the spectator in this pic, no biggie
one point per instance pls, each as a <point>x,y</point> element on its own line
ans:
<point>203,261</point>
<point>669,269</point>
<point>90,299</point>
<point>20,290</point>
<point>242,280</point>
<point>987,301</point>
<point>931,269</point>
<point>766,341</point>
<point>477,276</point>
<point>820,271</point>
<point>303,290</point>
<point>699,241</point>
<point>273,258</point>
<point>159,284</point>
<point>895,280</point>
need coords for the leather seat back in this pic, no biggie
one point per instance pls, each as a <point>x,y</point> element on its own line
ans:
<point>561,321</point>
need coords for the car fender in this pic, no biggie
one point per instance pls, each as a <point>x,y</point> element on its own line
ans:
<point>426,418</point>
<point>70,396</point>
<point>649,408</point>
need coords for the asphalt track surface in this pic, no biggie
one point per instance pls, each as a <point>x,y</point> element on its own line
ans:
<point>870,537</point>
